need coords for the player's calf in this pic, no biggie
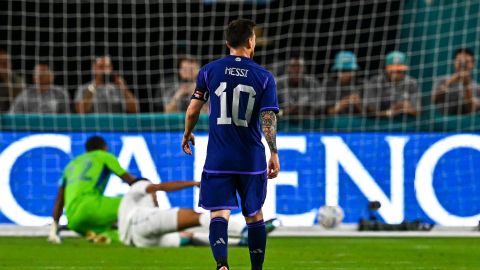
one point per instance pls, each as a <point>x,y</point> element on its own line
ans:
<point>257,240</point>
<point>219,241</point>
<point>219,237</point>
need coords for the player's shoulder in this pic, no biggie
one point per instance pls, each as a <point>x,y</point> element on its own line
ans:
<point>105,155</point>
<point>67,167</point>
<point>260,69</point>
<point>76,161</point>
<point>98,155</point>
<point>265,75</point>
<point>79,157</point>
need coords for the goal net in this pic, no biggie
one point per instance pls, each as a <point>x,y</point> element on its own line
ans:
<point>390,143</point>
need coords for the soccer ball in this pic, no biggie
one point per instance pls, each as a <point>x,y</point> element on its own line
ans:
<point>330,216</point>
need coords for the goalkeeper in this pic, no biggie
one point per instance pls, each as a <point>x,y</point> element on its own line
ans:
<point>81,192</point>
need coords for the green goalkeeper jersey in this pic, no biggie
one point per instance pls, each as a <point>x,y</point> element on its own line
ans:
<point>88,174</point>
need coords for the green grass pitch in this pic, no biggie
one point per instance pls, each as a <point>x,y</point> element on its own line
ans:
<point>282,253</point>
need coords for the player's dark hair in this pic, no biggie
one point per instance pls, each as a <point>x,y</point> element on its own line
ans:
<point>466,51</point>
<point>95,143</point>
<point>239,31</point>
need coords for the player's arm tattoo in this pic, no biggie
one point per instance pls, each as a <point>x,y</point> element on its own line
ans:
<point>269,128</point>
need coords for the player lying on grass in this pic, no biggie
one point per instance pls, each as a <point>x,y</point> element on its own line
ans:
<point>81,192</point>
<point>142,224</point>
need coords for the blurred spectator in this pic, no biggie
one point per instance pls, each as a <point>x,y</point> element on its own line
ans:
<point>394,92</point>
<point>10,83</point>
<point>298,93</point>
<point>174,93</point>
<point>107,93</point>
<point>43,96</point>
<point>343,89</point>
<point>457,93</point>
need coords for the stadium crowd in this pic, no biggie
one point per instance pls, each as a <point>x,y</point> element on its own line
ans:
<point>390,93</point>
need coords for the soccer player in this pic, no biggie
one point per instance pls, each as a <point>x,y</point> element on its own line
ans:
<point>142,224</point>
<point>241,93</point>
<point>81,192</point>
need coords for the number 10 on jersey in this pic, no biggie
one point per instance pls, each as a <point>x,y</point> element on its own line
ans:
<point>224,119</point>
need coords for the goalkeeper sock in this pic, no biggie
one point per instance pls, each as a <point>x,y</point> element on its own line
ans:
<point>257,241</point>
<point>219,240</point>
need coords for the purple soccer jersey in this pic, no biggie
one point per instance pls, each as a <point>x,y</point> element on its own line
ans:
<point>239,90</point>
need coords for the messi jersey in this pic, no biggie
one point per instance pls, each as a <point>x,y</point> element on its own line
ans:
<point>239,90</point>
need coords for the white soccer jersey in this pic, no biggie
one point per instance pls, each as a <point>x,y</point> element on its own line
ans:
<point>135,198</point>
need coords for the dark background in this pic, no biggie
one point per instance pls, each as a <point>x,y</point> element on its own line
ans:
<point>146,38</point>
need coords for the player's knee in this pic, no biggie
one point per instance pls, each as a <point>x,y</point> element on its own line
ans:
<point>220,213</point>
<point>257,217</point>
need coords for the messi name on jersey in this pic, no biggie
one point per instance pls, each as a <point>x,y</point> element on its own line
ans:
<point>239,72</point>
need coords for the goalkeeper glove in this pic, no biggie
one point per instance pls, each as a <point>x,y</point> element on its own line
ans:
<point>54,235</point>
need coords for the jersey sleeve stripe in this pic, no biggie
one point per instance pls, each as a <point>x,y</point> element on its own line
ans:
<point>265,83</point>
<point>206,80</point>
